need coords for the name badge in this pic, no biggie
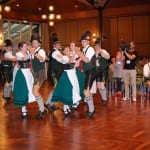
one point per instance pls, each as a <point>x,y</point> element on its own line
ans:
<point>128,61</point>
<point>118,62</point>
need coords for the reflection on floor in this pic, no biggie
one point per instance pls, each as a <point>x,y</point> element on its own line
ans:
<point>118,125</point>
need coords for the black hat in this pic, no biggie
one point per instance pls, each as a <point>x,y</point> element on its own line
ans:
<point>35,36</point>
<point>8,42</point>
<point>55,38</point>
<point>86,36</point>
<point>98,41</point>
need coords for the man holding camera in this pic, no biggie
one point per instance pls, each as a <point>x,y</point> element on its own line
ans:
<point>129,72</point>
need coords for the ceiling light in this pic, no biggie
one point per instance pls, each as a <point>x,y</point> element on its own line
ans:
<point>51,8</point>
<point>51,17</point>
<point>76,6</point>
<point>44,16</point>
<point>39,8</point>
<point>7,8</point>
<point>58,16</point>
<point>51,23</point>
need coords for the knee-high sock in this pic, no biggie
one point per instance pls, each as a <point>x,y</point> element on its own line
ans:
<point>6,91</point>
<point>24,109</point>
<point>90,103</point>
<point>49,98</point>
<point>40,103</point>
<point>103,93</point>
<point>9,90</point>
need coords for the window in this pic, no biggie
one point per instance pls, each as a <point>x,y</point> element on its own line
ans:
<point>18,31</point>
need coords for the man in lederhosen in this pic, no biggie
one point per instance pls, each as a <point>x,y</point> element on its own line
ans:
<point>102,57</point>
<point>7,65</point>
<point>38,70</point>
<point>55,68</point>
<point>89,67</point>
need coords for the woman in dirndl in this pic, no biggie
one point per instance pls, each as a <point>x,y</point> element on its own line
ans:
<point>67,90</point>
<point>23,81</point>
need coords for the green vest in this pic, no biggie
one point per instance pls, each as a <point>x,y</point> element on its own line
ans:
<point>103,62</point>
<point>37,65</point>
<point>55,66</point>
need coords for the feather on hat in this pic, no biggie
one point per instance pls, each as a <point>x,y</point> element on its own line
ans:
<point>86,36</point>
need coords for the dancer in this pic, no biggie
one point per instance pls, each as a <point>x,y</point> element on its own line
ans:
<point>56,60</point>
<point>67,89</point>
<point>89,67</point>
<point>23,82</point>
<point>8,65</point>
<point>38,71</point>
<point>102,57</point>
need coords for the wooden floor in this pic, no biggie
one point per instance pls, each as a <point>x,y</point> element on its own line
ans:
<point>120,125</point>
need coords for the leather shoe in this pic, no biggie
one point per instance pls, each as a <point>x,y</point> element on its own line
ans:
<point>40,114</point>
<point>6,98</point>
<point>103,102</point>
<point>24,115</point>
<point>51,107</point>
<point>90,114</point>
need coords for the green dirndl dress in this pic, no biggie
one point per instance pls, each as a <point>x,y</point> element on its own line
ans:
<point>20,90</point>
<point>81,80</point>
<point>63,90</point>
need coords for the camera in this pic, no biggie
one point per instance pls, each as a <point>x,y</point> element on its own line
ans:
<point>124,46</point>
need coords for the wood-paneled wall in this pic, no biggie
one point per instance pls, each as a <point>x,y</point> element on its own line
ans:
<point>130,23</point>
<point>135,28</point>
<point>71,30</point>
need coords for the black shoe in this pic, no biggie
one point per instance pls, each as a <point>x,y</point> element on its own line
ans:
<point>51,107</point>
<point>24,115</point>
<point>90,114</point>
<point>67,112</point>
<point>74,107</point>
<point>103,102</point>
<point>40,114</point>
<point>6,98</point>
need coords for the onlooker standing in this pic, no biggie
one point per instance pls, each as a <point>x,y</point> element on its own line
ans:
<point>146,73</point>
<point>118,71</point>
<point>129,72</point>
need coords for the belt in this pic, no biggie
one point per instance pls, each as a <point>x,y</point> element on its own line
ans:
<point>68,66</point>
<point>24,64</point>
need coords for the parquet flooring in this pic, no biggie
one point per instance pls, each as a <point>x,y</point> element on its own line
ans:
<point>120,125</point>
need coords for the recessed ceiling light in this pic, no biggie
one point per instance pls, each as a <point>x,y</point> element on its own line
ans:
<point>39,8</point>
<point>17,5</point>
<point>76,6</point>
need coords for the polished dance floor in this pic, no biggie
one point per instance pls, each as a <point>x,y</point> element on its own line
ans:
<point>120,125</point>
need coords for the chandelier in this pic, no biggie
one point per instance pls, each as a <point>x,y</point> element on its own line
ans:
<point>51,17</point>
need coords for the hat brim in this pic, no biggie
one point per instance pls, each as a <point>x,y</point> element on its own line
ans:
<point>56,42</point>
<point>35,40</point>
